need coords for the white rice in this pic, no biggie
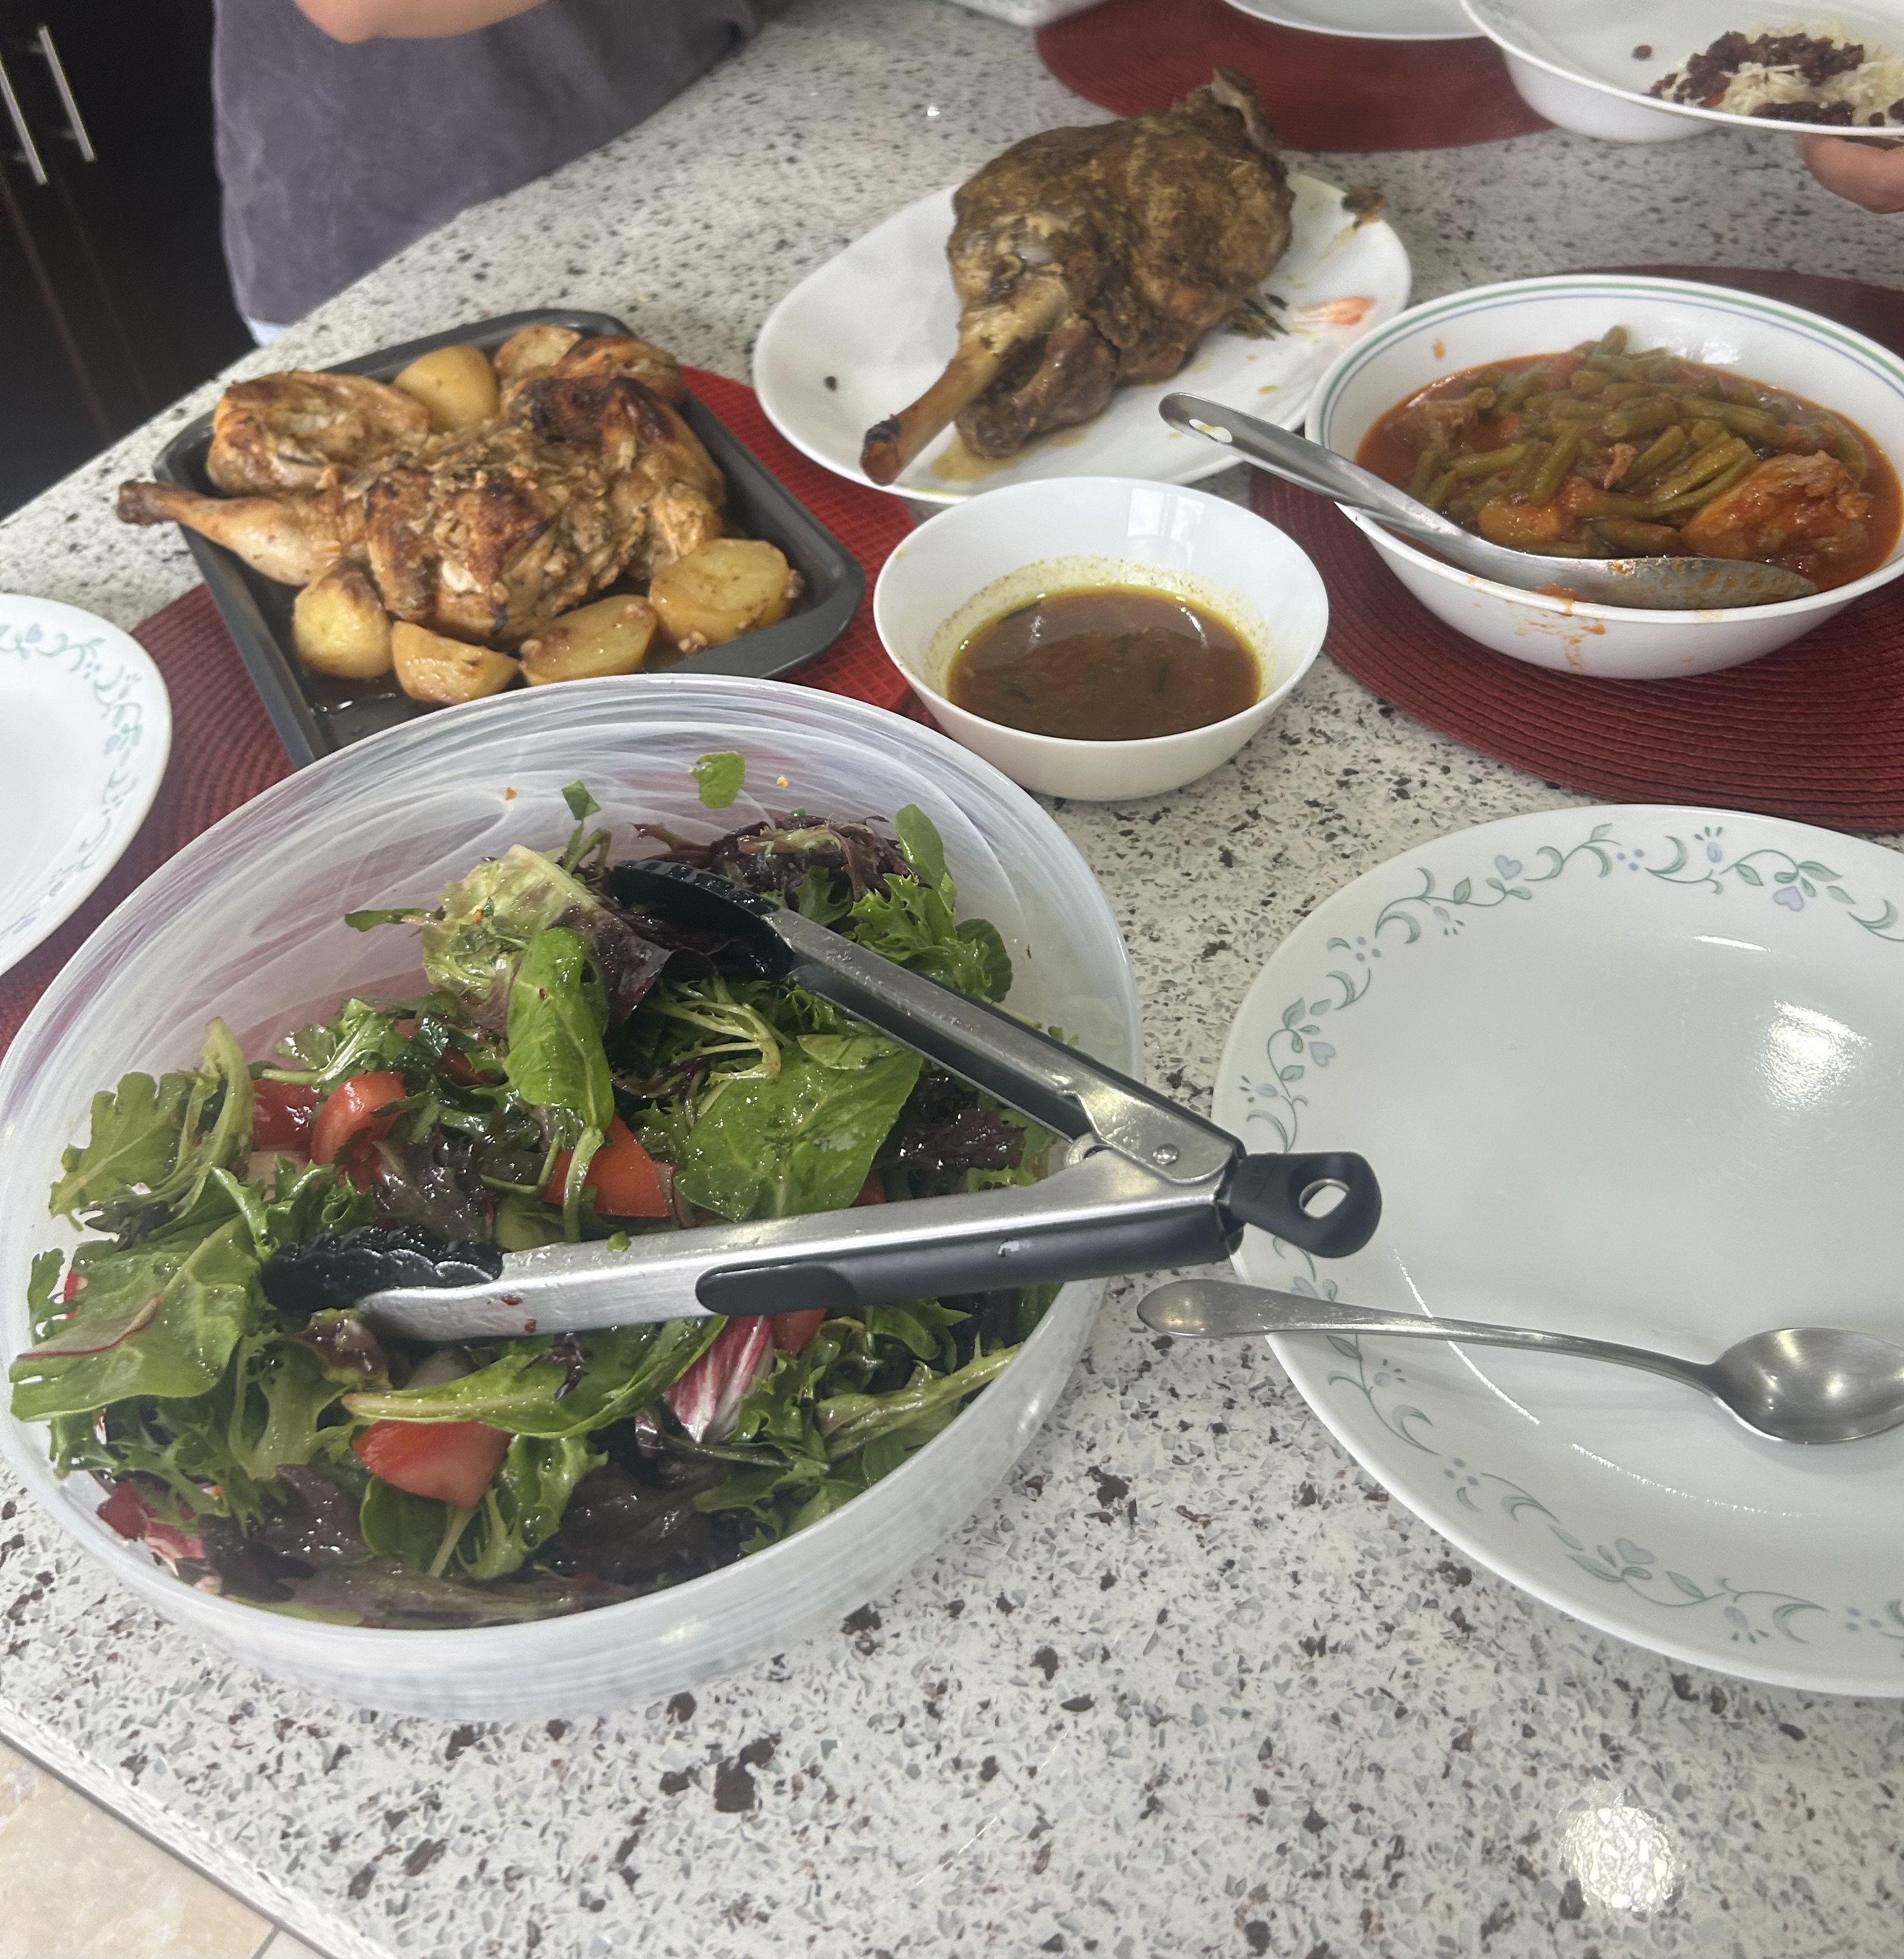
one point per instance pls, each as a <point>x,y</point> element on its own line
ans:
<point>1869,89</point>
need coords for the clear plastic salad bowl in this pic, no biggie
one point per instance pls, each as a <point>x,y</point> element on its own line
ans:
<point>247,923</point>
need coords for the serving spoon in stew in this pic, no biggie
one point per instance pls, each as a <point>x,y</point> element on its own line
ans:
<point>1661,584</point>
<point>1795,1384</point>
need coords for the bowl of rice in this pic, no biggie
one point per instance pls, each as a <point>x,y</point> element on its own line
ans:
<point>1647,70</point>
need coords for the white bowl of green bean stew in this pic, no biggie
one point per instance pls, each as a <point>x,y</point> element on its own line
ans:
<point>1601,416</point>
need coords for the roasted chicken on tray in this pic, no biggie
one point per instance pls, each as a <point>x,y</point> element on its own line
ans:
<point>1083,258</point>
<point>444,524</point>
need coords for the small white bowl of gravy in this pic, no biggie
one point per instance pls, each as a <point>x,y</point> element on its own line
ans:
<point>1101,637</point>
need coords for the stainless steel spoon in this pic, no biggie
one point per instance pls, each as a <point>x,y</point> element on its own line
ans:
<point>1664,584</point>
<point>1798,1384</point>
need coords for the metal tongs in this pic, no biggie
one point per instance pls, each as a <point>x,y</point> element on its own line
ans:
<point>1145,1184</point>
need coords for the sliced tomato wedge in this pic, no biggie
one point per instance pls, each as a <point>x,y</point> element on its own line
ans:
<point>622,1175</point>
<point>793,1332</point>
<point>872,1190</point>
<point>350,1110</point>
<point>454,1461</point>
<point>281,1115</point>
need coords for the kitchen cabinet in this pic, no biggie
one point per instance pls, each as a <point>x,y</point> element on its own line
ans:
<point>113,294</point>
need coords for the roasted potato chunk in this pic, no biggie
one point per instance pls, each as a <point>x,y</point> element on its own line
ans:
<point>339,626</point>
<point>530,351</point>
<point>728,587</point>
<point>456,384</point>
<point>610,636</point>
<point>443,671</point>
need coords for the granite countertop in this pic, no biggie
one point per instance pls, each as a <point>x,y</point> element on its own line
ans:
<point>1190,1685</point>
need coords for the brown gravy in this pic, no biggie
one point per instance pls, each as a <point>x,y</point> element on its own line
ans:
<point>1113,664</point>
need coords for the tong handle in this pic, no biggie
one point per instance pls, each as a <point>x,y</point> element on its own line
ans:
<point>1275,1194</point>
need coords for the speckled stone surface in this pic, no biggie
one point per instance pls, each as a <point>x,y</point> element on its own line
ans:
<point>1191,1685</point>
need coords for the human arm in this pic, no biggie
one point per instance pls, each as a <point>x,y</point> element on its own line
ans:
<point>408,20</point>
<point>1870,173</point>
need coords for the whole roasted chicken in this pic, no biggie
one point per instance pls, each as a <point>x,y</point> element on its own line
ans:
<point>1086,257</point>
<point>486,532</point>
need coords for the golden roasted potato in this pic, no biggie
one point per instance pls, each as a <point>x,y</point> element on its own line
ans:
<point>456,384</point>
<point>339,626</point>
<point>442,671</point>
<point>728,587</point>
<point>610,636</point>
<point>530,351</point>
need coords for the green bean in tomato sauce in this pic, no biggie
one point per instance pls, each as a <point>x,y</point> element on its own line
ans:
<point>1604,448</point>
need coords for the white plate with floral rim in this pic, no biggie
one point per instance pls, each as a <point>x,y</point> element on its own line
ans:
<point>1635,1072</point>
<point>866,333</point>
<point>85,729</point>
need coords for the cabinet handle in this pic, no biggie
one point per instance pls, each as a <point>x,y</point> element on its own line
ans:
<point>29,152</point>
<point>75,122</point>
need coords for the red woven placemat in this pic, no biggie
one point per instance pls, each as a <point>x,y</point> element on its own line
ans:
<point>224,751</point>
<point>1815,732</point>
<point>1323,92</point>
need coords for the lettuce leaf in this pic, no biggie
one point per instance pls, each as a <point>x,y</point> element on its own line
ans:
<point>802,1140</point>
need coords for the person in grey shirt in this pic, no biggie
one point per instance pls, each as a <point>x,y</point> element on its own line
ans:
<point>346,128</point>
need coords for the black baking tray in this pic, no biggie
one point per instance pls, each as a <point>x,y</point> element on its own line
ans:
<point>315,716</point>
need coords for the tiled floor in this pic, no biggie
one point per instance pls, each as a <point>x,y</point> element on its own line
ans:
<point>80,1885</point>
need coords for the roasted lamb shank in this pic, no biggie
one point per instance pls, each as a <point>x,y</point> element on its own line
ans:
<point>1086,257</point>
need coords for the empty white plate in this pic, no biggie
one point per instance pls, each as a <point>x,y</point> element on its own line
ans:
<point>1635,1072</point>
<point>869,331</point>
<point>1367,20</point>
<point>85,729</point>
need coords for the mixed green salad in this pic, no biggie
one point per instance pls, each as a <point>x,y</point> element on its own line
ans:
<point>574,1068</point>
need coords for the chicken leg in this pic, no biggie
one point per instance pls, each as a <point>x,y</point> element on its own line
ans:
<point>274,535</point>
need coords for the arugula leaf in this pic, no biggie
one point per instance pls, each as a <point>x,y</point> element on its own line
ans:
<point>913,925</point>
<point>280,1392</point>
<point>920,1326</point>
<point>207,1294</point>
<point>582,805</point>
<point>850,1421</point>
<point>719,778</point>
<point>803,1140</point>
<point>44,1304</point>
<point>305,1203</point>
<point>359,1038</point>
<point>153,1147</point>
<point>133,1140</point>
<point>526,1391</point>
<point>522,1508</point>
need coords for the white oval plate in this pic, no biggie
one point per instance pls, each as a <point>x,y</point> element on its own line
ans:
<point>1365,19</point>
<point>881,320</point>
<point>1634,1072</point>
<point>85,729</point>
<point>1594,45</point>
